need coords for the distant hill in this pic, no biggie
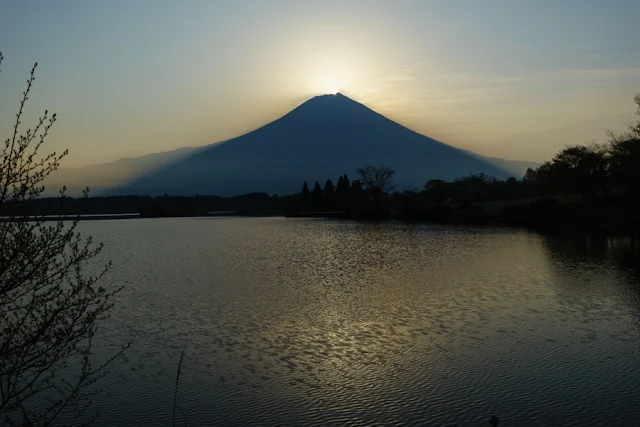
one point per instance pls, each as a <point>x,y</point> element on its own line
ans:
<point>103,177</point>
<point>516,168</point>
<point>324,137</point>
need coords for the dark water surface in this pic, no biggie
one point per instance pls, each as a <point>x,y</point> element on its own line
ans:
<point>324,322</point>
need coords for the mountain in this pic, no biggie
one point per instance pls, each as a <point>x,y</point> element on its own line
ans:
<point>325,137</point>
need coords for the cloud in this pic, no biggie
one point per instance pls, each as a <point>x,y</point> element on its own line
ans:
<point>392,82</point>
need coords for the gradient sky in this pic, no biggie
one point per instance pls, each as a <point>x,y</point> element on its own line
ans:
<point>516,79</point>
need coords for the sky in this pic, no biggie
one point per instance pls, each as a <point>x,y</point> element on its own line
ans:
<point>516,79</point>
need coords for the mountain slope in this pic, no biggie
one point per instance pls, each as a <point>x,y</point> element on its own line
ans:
<point>516,168</point>
<point>323,138</point>
<point>102,176</point>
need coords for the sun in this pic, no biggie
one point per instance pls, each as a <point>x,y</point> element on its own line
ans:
<point>332,85</point>
<point>330,80</point>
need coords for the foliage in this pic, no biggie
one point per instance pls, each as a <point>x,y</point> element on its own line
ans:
<point>329,195</point>
<point>328,188</point>
<point>377,180</point>
<point>305,194</point>
<point>576,169</point>
<point>50,307</point>
<point>595,167</point>
<point>624,150</point>
<point>316,196</point>
<point>436,190</point>
<point>343,190</point>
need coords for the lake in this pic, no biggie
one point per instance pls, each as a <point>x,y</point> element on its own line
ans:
<point>311,321</point>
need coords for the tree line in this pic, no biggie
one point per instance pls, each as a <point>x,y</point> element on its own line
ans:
<point>155,206</point>
<point>594,168</point>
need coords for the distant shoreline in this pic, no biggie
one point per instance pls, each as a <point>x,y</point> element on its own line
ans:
<point>89,217</point>
<point>96,217</point>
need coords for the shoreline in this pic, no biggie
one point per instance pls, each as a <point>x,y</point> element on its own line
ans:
<point>565,229</point>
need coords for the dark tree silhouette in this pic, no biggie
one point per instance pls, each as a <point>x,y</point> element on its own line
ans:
<point>50,308</point>
<point>340,186</point>
<point>316,196</point>
<point>625,159</point>
<point>329,196</point>
<point>625,154</point>
<point>347,183</point>
<point>530,175</point>
<point>436,190</point>
<point>472,186</point>
<point>343,192</point>
<point>328,188</point>
<point>377,180</point>
<point>356,189</point>
<point>579,168</point>
<point>305,194</point>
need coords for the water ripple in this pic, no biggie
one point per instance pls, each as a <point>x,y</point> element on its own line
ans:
<point>312,322</point>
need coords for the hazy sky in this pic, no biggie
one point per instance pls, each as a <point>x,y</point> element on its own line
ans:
<point>508,78</point>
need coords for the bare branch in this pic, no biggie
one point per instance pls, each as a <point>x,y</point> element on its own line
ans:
<point>50,308</point>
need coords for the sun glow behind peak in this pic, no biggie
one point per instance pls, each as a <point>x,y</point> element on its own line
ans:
<point>332,79</point>
<point>332,85</point>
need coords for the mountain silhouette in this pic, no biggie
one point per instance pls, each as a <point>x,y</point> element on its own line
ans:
<point>325,137</point>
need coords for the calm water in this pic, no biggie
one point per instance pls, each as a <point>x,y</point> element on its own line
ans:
<point>325,322</point>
